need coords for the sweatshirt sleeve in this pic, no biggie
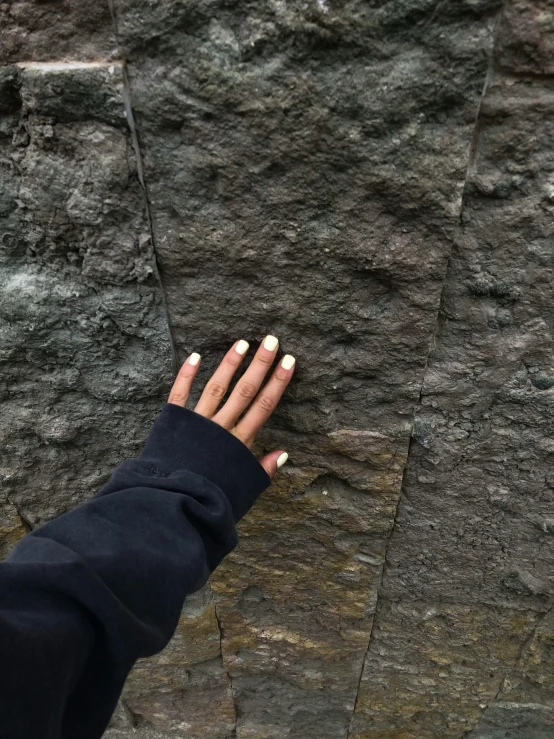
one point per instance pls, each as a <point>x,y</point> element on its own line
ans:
<point>83,597</point>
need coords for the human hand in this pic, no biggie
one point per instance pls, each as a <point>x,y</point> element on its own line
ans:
<point>247,408</point>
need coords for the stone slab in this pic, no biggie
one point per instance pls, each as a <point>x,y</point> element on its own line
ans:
<point>475,523</point>
<point>297,188</point>
<point>532,681</point>
<point>305,165</point>
<point>85,361</point>
<point>296,599</point>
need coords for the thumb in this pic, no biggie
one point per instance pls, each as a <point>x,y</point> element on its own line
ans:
<point>271,462</point>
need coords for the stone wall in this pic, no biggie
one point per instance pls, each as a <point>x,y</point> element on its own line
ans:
<point>373,182</point>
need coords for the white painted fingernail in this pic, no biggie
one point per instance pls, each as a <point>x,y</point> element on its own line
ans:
<point>281,459</point>
<point>194,359</point>
<point>287,362</point>
<point>271,343</point>
<point>242,347</point>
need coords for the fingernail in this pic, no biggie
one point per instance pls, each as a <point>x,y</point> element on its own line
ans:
<point>281,459</point>
<point>194,359</point>
<point>271,343</point>
<point>287,362</point>
<point>242,347</point>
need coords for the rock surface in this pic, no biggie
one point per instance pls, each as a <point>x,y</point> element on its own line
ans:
<point>84,343</point>
<point>479,478</point>
<point>432,667</point>
<point>185,688</point>
<point>514,721</point>
<point>313,170</point>
<point>473,526</point>
<point>307,189</point>
<point>55,30</point>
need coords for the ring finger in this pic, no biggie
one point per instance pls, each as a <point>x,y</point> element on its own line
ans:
<point>264,405</point>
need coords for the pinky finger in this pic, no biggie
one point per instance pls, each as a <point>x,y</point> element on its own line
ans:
<point>272,462</point>
<point>180,391</point>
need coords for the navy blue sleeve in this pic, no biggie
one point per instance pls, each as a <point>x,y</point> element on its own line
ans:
<point>83,597</point>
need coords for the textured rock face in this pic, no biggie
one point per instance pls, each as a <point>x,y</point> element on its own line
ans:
<point>185,687</point>
<point>301,188</point>
<point>52,30</point>
<point>473,525</point>
<point>334,174</point>
<point>84,346</point>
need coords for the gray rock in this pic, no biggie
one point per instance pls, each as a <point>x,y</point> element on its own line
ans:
<point>310,194</point>
<point>525,42</point>
<point>474,523</point>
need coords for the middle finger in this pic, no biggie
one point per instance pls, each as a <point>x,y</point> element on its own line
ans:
<point>216,388</point>
<point>247,387</point>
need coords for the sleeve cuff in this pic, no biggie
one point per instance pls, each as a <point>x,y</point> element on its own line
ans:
<point>183,440</point>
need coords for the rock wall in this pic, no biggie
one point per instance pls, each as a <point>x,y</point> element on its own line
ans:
<point>373,182</point>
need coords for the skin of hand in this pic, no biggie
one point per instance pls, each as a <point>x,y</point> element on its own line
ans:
<point>249,405</point>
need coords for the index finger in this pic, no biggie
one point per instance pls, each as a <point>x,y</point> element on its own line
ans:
<point>180,391</point>
<point>266,402</point>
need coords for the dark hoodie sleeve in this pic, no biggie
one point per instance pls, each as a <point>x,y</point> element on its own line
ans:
<point>83,597</point>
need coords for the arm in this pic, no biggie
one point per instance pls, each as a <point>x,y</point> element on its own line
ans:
<point>82,598</point>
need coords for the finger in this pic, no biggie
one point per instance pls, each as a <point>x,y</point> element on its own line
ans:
<point>272,462</point>
<point>264,405</point>
<point>181,387</point>
<point>248,385</point>
<point>215,390</point>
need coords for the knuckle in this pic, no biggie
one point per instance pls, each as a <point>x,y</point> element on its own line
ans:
<point>178,398</point>
<point>264,359</point>
<point>267,403</point>
<point>234,360</point>
<point>216,390</point>
<point>247,390</point>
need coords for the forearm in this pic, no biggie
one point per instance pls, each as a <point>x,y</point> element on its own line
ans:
<point>107,581</point>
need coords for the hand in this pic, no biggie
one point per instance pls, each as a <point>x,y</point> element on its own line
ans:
<point>246,398</point>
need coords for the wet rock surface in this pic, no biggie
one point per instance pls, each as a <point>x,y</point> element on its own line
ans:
<point>330,173</point>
